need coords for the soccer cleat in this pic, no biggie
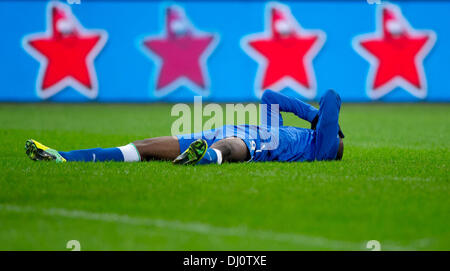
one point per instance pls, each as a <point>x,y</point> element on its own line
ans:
<point>38,152</point>
<point>193,154</point>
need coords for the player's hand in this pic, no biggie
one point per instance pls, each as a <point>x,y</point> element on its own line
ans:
<point>340,133</point>
<point>314,122</point>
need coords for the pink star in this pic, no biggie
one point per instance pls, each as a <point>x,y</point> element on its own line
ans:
<point>181,54</point>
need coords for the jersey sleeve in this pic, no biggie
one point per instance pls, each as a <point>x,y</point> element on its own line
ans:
<point>289,104</point>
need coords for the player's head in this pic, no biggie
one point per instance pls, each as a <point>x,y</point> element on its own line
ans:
<point>340,152</point>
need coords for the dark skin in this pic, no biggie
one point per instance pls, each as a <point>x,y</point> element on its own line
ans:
<point>167,148</point>
<point>233,149</point>
<point>158,148</point>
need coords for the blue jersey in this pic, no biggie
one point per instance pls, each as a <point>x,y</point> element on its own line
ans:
<point>264,144</point>
<point>279,142</point>
<point>294,144</point>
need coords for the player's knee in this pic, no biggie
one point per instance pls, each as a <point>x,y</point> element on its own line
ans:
<point>239,150</point>
<point>227,149</point>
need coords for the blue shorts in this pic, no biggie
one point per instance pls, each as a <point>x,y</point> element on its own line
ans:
<point>248,134</point>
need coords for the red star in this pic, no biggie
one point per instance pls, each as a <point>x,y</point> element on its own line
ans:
<point>66,53</point>
<point>285,53</point>
<point>285,58</point>
<point>396,54</point>
<point>181,54</point>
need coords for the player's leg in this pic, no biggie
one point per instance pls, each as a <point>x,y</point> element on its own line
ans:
<point>327,139</point>
<point>160,148</point>
<point>289,104</point>
<point>230,149</point>
<point>38,151</point>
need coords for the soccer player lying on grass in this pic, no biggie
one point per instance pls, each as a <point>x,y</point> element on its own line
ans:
<point>246,143</point>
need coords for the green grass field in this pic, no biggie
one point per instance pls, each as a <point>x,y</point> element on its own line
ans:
<point>392,186</point>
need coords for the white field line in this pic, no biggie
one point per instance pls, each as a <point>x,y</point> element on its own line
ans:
<point>201,228</point>
<point>372,178</point>
<point>395,145</point>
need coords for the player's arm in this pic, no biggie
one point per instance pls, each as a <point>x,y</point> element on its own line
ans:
<point>289,104</point>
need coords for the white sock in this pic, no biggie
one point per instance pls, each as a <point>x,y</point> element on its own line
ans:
<point>219,156</point>
<point>130,153</point>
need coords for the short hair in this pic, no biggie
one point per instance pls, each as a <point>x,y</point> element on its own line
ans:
<point>340,152</point>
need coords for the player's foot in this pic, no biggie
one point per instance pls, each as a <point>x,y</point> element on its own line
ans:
<point>193,154</point>
<point>36,151</point>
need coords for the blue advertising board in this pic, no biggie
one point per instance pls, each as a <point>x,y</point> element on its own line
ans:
<point>225,51</point>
